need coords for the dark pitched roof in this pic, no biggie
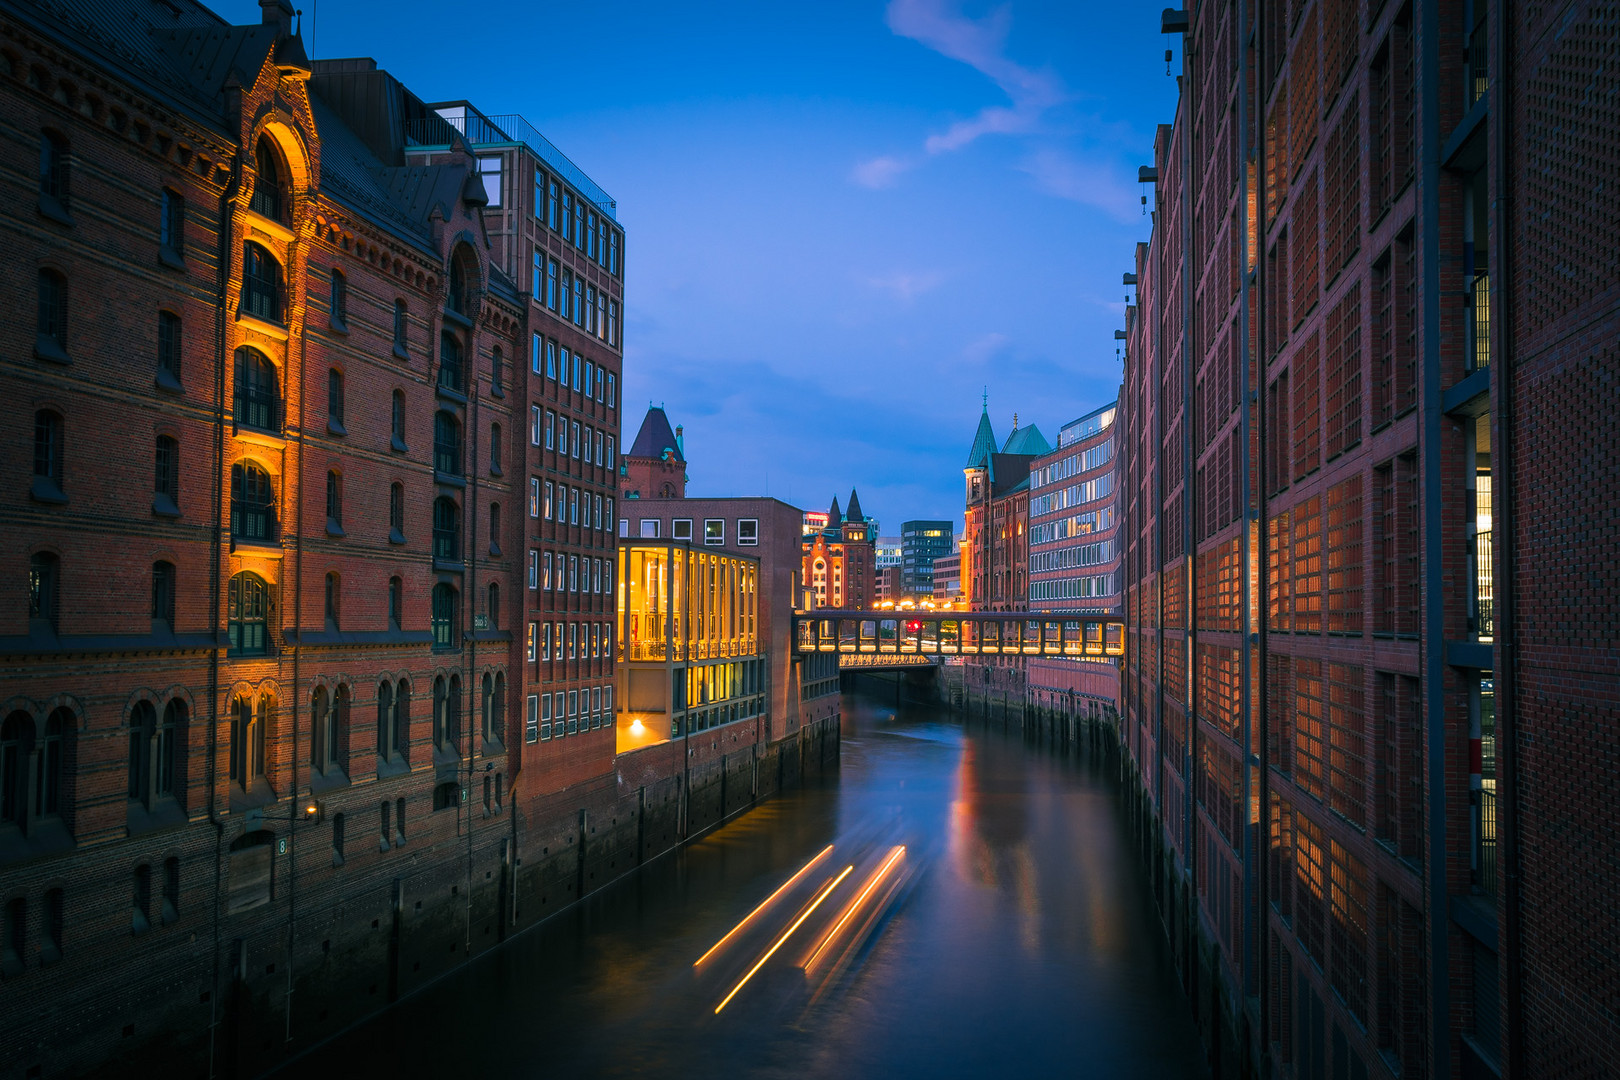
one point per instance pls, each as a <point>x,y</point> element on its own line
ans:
<point>1028,441</point>
<point>984,443</point>
<point>834,516</point>
<point>655,437</point>
<point>854,512</point>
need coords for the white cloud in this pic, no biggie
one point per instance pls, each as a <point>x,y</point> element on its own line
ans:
<point>880,172</point>
<point>908,286</point>
<point>1084,182</point>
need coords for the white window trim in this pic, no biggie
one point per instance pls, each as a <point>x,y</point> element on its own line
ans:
<point>675,529</point>
<point>745,540</point>
<point>714,541</point>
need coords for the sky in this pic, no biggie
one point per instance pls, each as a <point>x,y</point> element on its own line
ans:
<point>845,222</point>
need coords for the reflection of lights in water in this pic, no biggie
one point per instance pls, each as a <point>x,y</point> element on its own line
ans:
<point>785,886</point>
<point>828,888</point>
<point>872,883</point>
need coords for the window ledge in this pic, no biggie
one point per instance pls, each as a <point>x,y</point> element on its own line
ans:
<point>495,550</point>
<point>495,391</point>
<point>163,506</point>
<point>458,318</point>
<point>395,536</point>
<point>261,438</point>
<point>450,393</point>
<point>262,326</point>
<point>259,793</point>
<point>330,780</point>
<point>51,208</point>
<point>263,549</point>
<point>397,445</point>
<point>48,348</point>
<point>171,258</point>
<point>394,766</point>
<point>334,528</point>
<point>400,353</point>
<point>450,566</point>
<point>337,326</point>
<point>46,490</point>
<point>166,814</point>
<point>269,226</point>
<point>335,427</point>
<point>166,380</point>
<point>495,469</point>
<point>449,479</point>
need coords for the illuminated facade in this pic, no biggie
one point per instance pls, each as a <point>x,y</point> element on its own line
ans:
<point>840,559</point>
<point>689,643</point>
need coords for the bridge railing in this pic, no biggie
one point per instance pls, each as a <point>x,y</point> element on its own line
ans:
<point>959,634</point>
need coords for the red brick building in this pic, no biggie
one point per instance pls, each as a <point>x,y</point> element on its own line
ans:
<point>1074,558</point>
<point>996,558</point>
<point>1366,603</point>
<point>655,464</point>
<point>839,563</point>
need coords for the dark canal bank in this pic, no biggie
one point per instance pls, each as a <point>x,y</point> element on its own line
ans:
<point>991,922</point>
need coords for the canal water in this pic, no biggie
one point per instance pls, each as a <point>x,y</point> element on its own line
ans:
<point>978,914</point>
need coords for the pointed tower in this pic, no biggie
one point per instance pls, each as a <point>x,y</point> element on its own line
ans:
<point>835,516</point>
<point>655,464</point>
<point>980,464</point>
<point>854,520</point>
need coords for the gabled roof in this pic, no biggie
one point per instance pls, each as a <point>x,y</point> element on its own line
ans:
<point>655,437</point>
<point>853,514</point>
<point>1027,440</point>
<point>984,443</point>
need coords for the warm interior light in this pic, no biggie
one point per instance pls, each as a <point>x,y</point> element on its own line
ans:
<point>636,727</point>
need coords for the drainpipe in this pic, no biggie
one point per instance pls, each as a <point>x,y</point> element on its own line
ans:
<point>1504,511</point>
<point>227,201</point>
<point>469,605</point>
<point>293,251</point>
<point>1429,442</point>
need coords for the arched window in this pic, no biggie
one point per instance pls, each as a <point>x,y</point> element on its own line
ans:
<point>386,721</point>
<point>334,399</point>
<point>168,354</point>
<point>16,747</point>
<point>261,283</point>
<point>167,780</point>
<point>446,530</point>
<point>249,731</point>
<point>446,617</point>
<point>452,372</point>
<point>172,222</point>
<point>447,715</point>
<point>51,769</point>
<point>249,615</point>
<point>338,301</point>
<point>498,718</point>
<point>402,726</point>
<point>493,607</point>
<point>268,198</point>
<point>495,449</point>
<point>329,720</point>
<point>44,589</point>
<point>334,502</point>
<point>458,299</point>
<point>253,503</point>
<point>396,598</point>
<point>257,399</point>
<point>400,326</point>
<point>166,476</point>
<point>142,736</point>
<point>48,454</point>
<point>397,421</point>
<point>396,512</point>
<point>446,443</point>
<point>334,599</point>
<point>494,528</point>
<point>51,342</point>
<point>53,169</point>
<point>163,587</point>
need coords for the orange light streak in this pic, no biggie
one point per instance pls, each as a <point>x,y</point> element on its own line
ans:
<point>872,883</point>
<point>829,887</point>
<point>786,885</point>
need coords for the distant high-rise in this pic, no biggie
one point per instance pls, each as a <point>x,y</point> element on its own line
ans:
<point>921,542</point>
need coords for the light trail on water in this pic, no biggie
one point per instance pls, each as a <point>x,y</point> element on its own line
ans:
<point>828,888</point>
<point>767,902</point>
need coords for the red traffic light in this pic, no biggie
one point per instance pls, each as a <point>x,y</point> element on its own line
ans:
<point>913,626</point>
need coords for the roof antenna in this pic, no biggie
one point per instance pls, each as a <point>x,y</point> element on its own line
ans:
<point>987,398</point>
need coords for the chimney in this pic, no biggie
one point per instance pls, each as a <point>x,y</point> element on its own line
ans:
<point>277,13</point>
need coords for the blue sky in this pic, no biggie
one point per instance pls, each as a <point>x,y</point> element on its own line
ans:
<point>843,220</point>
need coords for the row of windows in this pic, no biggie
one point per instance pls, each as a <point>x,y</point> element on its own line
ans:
<point>567,505</point>
<point>574,300</point>
<point>1079,525</point>
<point>566,437</point>
<point>55,176</point>
<point>1072,588</point>
<point>567,712</point>
<point>567,215</point>
<point>250,606</point>
<point>1073,495</point>
<point>571,370</point>
<point>580,641</point>
<point>714,530</point>
<point>1069,558</point>
<point>576,574</point>
<point>1092,458</point>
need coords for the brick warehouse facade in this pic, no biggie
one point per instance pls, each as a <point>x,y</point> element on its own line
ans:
<point>265,763</point>
<point>1368,546</point>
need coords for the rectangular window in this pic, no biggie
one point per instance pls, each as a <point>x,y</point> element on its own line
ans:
<point>1310,723</point>
<point>599,325</point>
<point>573,643</point>
<point>1344,601</point>
<point>613,252</point>
<point>568,215</point>
<point>748,532</point>
<point>536,418</point>
<point>551,359</point>
<point>573,438</point>
<point>681,529</point>
<point>714,531</point>
<point>1307,435</point>
<point>573,506</point>
<point>546,510</point>
<point>579,301</point>
<point>1347,735</point>
<point>599,459</point>
<point>531,722</point>
<point>577,359</point>
<point>590,319</point>
<point>545,578</point>
<point>550,422</point>
<point>567,295</point>
<point>551,284</point>
<point>1344,373</point>
<point>613,323</point>
<point>172,234</point>
<point>534,497</point>
<point>1307,566</point>
<point>588,434</point>
<point>534,570</point>
<point>649,528</point>
<point>537,275</point>
<point>590,234</point>
<point>1348,936</point>
<point>573,582</point>
<point>596,511</point>
<point>608,461</point>
<point>612,395</point>
<point>567,359</point>
<point>551,204</point>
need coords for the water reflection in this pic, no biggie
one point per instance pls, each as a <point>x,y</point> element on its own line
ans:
<point>951,905</point>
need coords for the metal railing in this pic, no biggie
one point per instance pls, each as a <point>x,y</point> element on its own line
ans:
<point>508,128</point>
<point>1485,841</point>
<point>1484,585</point>
<point>1480,300</point>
